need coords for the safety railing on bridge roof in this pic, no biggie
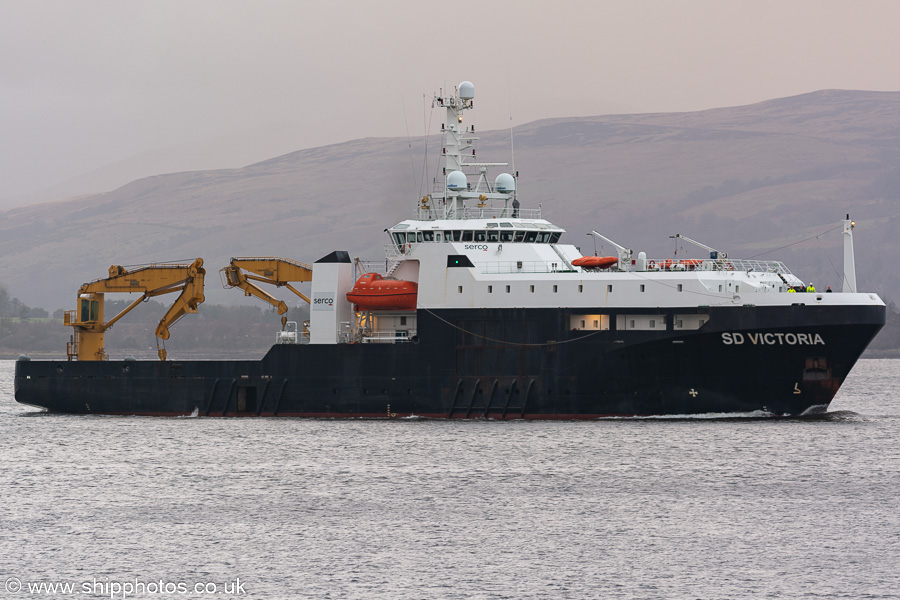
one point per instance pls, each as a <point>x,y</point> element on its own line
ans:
<point>474,212</point>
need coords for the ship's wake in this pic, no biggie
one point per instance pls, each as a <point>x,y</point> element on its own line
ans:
<point>760,415</point>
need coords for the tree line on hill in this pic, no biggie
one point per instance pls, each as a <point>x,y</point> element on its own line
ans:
<point>13,307</point>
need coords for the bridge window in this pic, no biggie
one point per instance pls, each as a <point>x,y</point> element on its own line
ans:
<point>479,236</point>
<point>457,235</point>
<point>467,236</point>
<point>419,237</point>
<point>428,236</point>
<point>506,236</point>
<point>530,236</point>
<point>493,236</point>
<point>543,237</point>
<point>520,236</point>
<point>554,237</point>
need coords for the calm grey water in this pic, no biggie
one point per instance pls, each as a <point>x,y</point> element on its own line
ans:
<point>285,508</point>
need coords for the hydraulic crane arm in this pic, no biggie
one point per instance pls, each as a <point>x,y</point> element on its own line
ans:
<point>153,280</point>
<point>279,272</point>
<point>713,253</point>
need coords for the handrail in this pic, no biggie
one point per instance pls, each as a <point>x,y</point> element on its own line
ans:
<point>520,266</point>
<point>384,336</point>
<point>723,264</point>
<point>472,212</point>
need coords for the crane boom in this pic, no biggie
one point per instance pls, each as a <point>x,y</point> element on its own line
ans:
<point>713,253</point>
<point>153,280</point>
<point>624,254</point>
<point>279,272</point>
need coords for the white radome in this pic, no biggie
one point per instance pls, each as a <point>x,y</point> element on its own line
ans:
<point>457,180</point>
<point>505,183</point>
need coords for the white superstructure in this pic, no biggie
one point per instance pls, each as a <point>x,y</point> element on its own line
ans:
<point>471,245</point>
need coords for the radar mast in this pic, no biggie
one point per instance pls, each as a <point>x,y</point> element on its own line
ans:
<point>456,196</point>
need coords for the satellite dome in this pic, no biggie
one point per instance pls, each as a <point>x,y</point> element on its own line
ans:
<point>466,90</point>
<point>505,183</point>
<point>457,180</point>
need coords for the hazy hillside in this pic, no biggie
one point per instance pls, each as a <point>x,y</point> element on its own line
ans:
<point>228,151</point>
<point>745,179</point>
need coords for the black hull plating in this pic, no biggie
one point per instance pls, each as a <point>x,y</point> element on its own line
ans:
<point>504,364</point>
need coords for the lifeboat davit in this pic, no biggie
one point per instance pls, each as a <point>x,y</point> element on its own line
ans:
<point>374,292</point>
<point>595,262</point>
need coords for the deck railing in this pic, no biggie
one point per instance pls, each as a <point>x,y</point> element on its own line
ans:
<point>722,264</point>
<point>474,212</point>
<point>523,266</point>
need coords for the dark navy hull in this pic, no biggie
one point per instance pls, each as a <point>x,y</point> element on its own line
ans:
<point>496,363</point>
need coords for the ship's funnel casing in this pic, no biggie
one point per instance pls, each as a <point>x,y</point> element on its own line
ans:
<point>330,312</point>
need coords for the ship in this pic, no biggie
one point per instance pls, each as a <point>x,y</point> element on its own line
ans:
<point>482,311</point>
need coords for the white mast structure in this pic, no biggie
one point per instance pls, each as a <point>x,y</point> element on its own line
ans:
<point>849,260</point>
<point>450,201</point>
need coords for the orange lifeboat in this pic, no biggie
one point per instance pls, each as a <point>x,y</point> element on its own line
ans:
<point>692,263</point>
<point>374,292</point>
<point>667,264</point>
<point>673,265</point>
<point>595,262</point>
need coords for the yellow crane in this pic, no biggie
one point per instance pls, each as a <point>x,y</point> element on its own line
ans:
<point>280,272</point>
<point>153,280</point>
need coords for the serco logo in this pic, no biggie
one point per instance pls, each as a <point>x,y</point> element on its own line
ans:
<point>476,247</point>
<point>324,301</point>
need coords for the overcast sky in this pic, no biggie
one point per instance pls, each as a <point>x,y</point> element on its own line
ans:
<point>88,83</point>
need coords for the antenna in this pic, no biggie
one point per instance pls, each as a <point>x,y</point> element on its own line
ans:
<point>512,147</point>
<point>427,126</point>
